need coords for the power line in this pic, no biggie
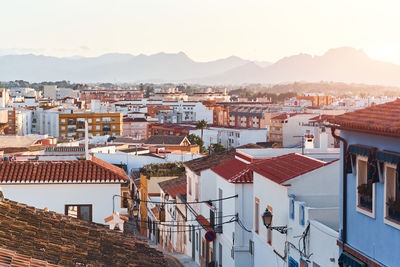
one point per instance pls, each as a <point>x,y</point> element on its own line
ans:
<point>194,220</point>
<point>193,228</point>
<point>188,202</point>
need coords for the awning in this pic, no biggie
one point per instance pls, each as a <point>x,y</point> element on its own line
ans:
<point>348,260</point>
<point>360,150</point>
<point>388,156</point>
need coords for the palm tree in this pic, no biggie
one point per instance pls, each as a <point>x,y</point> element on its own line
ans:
<point>201,125</point>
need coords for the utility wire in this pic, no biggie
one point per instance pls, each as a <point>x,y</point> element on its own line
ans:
<point>189,202</point>
<point>194,228</point>
<point>192,220</point>
<point>241,225</point>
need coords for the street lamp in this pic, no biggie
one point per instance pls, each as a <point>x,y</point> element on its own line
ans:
<point>267,219</point>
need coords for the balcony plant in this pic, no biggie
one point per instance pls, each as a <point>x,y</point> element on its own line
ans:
<point>394,208</point>
<point>365,194</point>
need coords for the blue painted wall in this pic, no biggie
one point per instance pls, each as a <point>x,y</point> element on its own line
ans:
<point>370,236</point>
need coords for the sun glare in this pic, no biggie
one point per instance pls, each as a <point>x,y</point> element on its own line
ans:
<point>387,53</point>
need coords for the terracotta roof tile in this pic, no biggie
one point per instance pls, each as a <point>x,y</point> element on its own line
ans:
<point>382,118</point>
<point>40,238</point>
<point>174,187</point>
<point>283,168</point>
<point>234,171</point>
<point>203,221</point>
<point>200,164</point>
<point>81,171</point>
<point>165,140</point>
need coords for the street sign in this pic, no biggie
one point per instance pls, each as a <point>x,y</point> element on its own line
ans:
<point>210,236</point>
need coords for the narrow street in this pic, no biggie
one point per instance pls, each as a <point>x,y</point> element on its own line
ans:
<point>174,259</point>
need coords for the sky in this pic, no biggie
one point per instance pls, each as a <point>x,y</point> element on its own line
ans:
<point>203,29</point>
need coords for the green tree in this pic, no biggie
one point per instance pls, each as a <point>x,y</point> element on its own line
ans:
<point>218,147</point>
<point>201,125</point>
<point>197,140</point>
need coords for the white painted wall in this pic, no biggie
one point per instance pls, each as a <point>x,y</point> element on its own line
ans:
<point>275,195</point>
<point>293,128</point>
<point>56,196</point>
<point>320,182</point>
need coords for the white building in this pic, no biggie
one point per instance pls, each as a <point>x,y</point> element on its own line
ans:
<point>231,137</point>
<point>52,92</point>
<point>277,181</point>
<point>292,129</point>
<point>82,189</point>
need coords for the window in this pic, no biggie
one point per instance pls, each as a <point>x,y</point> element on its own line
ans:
<point>220,254</point>
<point>97,127</point>
<point>62,120</point>
<point>392,196</point>
<point>197,241</point>
<point>292,263</point>
<point>124,200</point>
<point>196,197</point>
<point>365,189</point>
<point>303,263</point>
<point>203,247</point>
<point>83,212</point>
<point>98,120</point>
<point>257,216</point>
<point>63,128</point>
<point>291,208</point>
<point>89,120</point>
<point>301,214</point>
<point>269,230</point>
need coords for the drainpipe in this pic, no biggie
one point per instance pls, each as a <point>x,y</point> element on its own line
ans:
<point>344,174</point>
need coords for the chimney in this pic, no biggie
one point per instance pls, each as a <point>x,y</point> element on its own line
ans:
<point>323,140</point>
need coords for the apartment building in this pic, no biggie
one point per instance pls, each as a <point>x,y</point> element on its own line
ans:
<point>317,99</point>
<point>73,124</point>
<point>249,117</point>
<point>105,95</point>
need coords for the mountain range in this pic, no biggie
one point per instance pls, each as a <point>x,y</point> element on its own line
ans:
<point>343,64</point>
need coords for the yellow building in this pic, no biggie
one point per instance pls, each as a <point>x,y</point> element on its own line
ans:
<point>73,124</point>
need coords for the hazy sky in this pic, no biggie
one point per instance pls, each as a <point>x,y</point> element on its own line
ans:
<point>203,29</point>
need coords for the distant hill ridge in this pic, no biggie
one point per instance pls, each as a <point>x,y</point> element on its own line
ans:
<point>343,64</point>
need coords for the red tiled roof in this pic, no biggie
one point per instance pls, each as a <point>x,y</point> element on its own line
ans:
<point>204,163</point>
<point>280,117</point>
<point>284,116</point>
<point>174,187</point>
<point>77,171</point>
<point>12,258</point>
<point>46,238</point>
<point>234,171</point>
<point>321,117</point>
<point>283,168</point>
<point>176,190</point>
<point>203,221</point>
<point>156,211</point>
<point>382,118</point>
